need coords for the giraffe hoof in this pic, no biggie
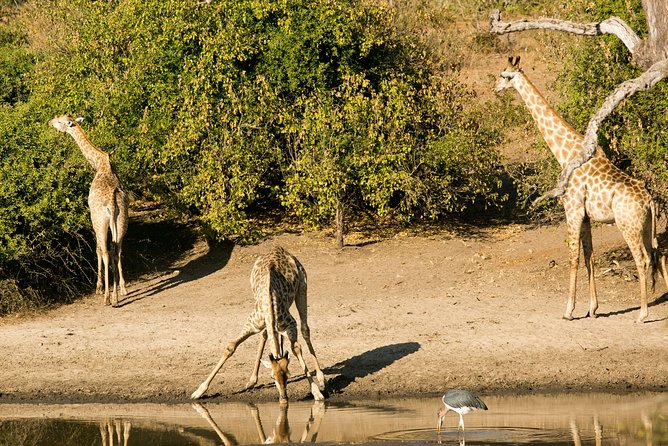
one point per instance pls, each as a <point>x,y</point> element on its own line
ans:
<point>592,315</point>
<point>198,393</point>
<point>317,395</point>
<point>567,317</point>
<point>641,318</point>
<point>320,378</point>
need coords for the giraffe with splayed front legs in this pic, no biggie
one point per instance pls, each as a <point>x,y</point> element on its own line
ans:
<point>108,205</point>
<point>277,280</point>
<point>597,191</point>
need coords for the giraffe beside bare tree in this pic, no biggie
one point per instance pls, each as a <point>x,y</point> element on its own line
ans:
<point>597,191</point>
<point>108,205</point>
<point>277,280</point>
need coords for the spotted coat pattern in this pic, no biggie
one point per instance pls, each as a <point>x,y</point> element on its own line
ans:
<point>598,191</point>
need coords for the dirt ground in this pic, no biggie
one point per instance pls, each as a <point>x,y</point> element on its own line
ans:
<point>404,316</point>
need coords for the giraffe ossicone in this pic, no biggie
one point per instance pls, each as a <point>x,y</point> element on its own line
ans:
<point>597,191</point>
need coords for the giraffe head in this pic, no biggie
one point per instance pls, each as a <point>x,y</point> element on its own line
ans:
<point>509,75</point>
<point>64,123</point>
<point>280,374</point>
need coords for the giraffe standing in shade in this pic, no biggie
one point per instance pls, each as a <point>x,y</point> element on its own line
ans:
<point>277,280</point>
<point>597,191</point>
<point>108,205</point>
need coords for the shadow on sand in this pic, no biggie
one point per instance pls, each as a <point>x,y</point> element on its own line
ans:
<point>652,318</point>
<point>166,244</point>
<point>365,364</point>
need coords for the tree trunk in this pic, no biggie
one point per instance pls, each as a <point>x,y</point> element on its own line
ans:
<point>655,47</point>
<point>339,224</point>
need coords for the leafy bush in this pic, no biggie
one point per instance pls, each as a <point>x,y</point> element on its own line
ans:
<point>223,110</point>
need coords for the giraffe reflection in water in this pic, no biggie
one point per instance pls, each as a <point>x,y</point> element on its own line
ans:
<point>575,431</point>
<point>281,432</point>
<point>115,430</point>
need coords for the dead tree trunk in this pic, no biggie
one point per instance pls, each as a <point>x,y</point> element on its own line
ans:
<point>650,54</point>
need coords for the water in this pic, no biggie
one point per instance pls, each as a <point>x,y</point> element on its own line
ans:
<point>593,419</point>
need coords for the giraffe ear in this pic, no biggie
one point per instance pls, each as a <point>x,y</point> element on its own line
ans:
<point>516,61</point>
<point>79,119</point>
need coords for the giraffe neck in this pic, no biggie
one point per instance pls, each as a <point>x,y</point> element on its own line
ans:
<point>558,134</point>
<point>96,157</point>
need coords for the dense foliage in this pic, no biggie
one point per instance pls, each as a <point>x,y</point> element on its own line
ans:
<point>231,110</point>
<point>224,111</point>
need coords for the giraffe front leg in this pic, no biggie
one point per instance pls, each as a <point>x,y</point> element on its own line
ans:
<point>574,231</point>
<point>588,251</point>
<point>229,351</point>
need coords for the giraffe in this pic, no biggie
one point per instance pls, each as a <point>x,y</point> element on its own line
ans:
<point>597,191</point>
<point>108,205</point>
<point>277,280</point>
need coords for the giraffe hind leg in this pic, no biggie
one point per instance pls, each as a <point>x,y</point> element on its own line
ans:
<point>98,287</point>
<point>297,351</point>
<point>640,246</point>
<point>301,304</point>
<point>121,279</point>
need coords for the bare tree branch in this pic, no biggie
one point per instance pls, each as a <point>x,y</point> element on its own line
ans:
<point>645,81</point>
<point>650,54</point>
<point>612,25</point>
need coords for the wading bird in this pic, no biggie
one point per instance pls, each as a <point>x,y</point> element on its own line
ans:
<point>460,401</point>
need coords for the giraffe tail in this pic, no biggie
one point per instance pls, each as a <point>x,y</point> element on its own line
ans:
<point>113,209</point>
